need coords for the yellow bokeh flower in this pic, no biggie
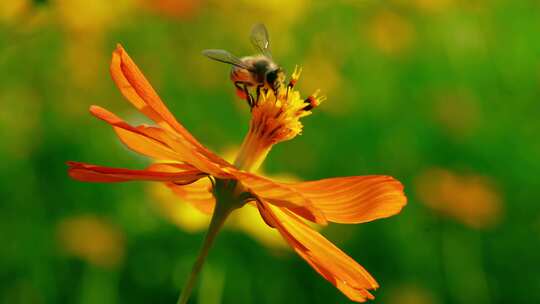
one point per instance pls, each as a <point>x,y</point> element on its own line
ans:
<point>91,239</point>
<point>470,199</point>
<point>391,33</point>
<point>411,294</point>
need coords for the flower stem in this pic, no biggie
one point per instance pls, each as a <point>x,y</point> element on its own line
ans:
<point>218,219</point>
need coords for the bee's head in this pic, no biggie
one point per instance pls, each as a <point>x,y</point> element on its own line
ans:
<point>273,77</point>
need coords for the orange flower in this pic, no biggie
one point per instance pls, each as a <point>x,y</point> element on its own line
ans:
<point>469,198</point>
<point>192,220</point>
<point>214,185</point>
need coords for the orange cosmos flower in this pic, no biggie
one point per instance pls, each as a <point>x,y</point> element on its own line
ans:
<point>216,186</point>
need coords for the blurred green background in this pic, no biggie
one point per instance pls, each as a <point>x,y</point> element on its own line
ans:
<point>442,94</point>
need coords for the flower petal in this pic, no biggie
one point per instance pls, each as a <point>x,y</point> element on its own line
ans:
<point>135,88</point>
<point>280,195</point>
<point>93,173</point>
<point>354,199</point>
<point>192,155</point>
<point>198,194</point>
<point>328,260</point>
<point>157,143</point>
<point>141,139</point>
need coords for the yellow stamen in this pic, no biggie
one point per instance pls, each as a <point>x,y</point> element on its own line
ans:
<point>275,118</point>
<point>296,73</point>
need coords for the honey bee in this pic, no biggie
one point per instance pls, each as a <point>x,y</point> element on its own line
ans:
<point>257,71</point>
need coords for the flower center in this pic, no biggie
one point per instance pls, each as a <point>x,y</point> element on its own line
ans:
<point>276,115</point>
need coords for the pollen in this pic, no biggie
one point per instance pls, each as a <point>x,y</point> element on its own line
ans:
<point>276,115</point>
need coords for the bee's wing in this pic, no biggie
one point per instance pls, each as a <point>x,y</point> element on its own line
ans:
<point>224,56</point>
<point>260,39</point>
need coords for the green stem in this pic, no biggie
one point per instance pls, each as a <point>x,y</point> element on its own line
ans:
<point>218,219</point>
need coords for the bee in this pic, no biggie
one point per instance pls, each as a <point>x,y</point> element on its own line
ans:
<point>257,71</point>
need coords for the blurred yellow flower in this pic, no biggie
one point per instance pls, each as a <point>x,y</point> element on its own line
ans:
<point>391,33</point>
<point>321,64</point>
<point>410,294</point>
<point>85,16</point>
<point>86,23</point>
<point>181,9</point>
<point>280,17</point>
<point>92,239</point>
<point>433,6</point>
<point>180,213</point>
<point>10,10</point>
<point>470,199</point>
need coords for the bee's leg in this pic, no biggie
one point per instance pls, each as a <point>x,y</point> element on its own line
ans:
<point>243,92</point>
<point>240,92</point>
<point>250,100</point>
<point>275,87</point>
